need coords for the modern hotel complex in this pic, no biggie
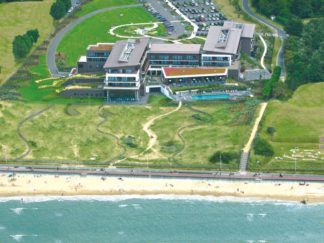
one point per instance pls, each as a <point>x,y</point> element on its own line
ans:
<point>131,66</point>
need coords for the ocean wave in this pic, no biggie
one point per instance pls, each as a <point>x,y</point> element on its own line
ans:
<point>19,237</point>
<point>18,211</point>
<point>187,198</point>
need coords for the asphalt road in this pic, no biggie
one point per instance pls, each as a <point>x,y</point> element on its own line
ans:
<point>163,173</point>
<point>281,33</point>
<point>51,51</point>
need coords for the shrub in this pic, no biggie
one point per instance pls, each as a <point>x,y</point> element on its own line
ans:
<point>271,130</point>
<point>224,157</point>
<point>129,141</point>
<point>263,147</point>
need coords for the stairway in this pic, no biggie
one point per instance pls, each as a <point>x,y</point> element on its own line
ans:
<point>244,161</point>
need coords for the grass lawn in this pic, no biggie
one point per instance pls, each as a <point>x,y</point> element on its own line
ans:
<point>91,135</point>
<point>15,19</point>
<point>95,30</point>
<point>190,136</point>
<point>93,5</point>
<point>299,126</point>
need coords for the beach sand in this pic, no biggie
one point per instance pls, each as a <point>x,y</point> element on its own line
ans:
<point>62,185</point>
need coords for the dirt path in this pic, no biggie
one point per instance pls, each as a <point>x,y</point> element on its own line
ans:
<point>247,146</point>
<point>147,128</point>
<point>21,135</point>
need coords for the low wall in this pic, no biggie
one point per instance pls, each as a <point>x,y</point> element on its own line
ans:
<point>74,81</point>
<point>84,93</point>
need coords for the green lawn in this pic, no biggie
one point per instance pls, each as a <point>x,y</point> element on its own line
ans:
<point>90,135</point>
<point>299,126</point>
<point>15,19</point>
<point>93,5</point>
<point>95,30</point>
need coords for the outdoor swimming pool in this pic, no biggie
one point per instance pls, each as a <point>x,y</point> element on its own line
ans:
<point>211,97</point>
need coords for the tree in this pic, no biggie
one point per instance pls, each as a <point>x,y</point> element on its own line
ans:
<point>67,4</point>
<point>21,46</point>
<point>302,8</point>
<point>294,26</point>
<point>34,34</point>
<point>58,10</point>
<point>263,147</point>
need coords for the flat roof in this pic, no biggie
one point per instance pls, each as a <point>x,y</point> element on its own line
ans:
<point>193,72</point>
<point>175,48</point>
<point>223,40</point>
<point>127,53</point>
<point>247,29</point>
<point>101,47</point>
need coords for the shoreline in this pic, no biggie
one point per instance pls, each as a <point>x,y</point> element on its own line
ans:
<point>35,185</point>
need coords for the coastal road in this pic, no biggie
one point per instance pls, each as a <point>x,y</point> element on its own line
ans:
<point>51,51</point>
<point>177,174</point>
<point>280,32</point>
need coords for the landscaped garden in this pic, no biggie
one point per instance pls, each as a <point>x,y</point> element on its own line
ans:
<point>293,129</point>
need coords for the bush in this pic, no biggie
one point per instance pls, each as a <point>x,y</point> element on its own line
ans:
<point>271,130</point>
<point>224,157</point>
<point>262,147</point>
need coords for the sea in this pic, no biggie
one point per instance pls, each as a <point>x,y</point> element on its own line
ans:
<point>158,219</point>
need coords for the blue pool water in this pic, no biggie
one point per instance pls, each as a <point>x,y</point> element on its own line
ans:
<point>211,97</point>
<point>158,219</point>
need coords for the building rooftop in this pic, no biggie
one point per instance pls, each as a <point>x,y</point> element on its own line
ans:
<point>101,47</point>
<point>223,40</point>
<point>247,29</point>
<point>175,48</point>
<point>192,72</point>
<point>127,53</point>
<point>83,59</point>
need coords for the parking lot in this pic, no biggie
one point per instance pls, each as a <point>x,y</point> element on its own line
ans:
<point>203,12</point>
<point>172,23</point>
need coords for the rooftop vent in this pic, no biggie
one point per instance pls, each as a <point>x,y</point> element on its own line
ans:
<point>128,49</point>
<point>223,38</point>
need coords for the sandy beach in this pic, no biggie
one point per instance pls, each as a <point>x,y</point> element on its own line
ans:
<point>54,185</point>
